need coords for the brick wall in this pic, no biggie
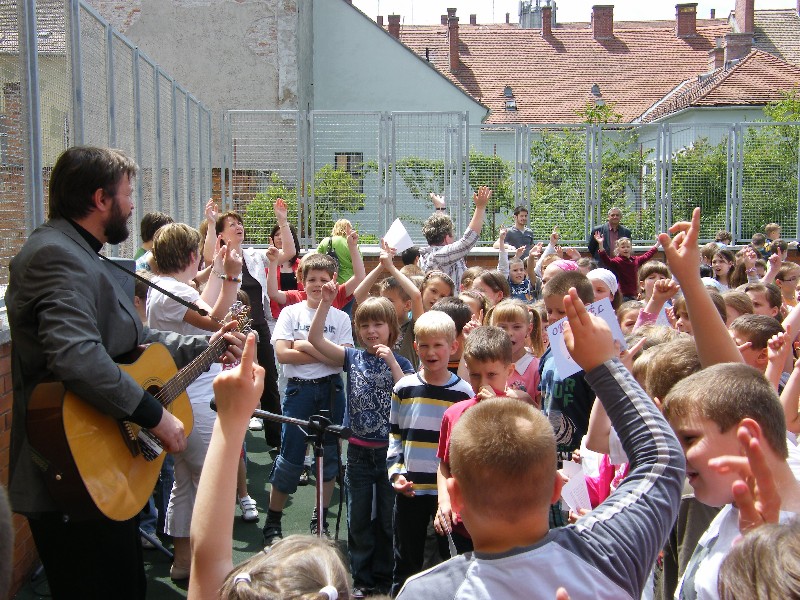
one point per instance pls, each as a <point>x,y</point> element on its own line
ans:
<point>25,557</point>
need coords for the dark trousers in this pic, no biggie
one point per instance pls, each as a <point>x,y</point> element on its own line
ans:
<point>98,559</point>
<point>410,523</point>
<point>270,397</point>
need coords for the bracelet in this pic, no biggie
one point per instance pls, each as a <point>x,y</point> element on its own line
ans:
<point>227,277</point>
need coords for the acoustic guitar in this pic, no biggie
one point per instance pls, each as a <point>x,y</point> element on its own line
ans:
<point>94,463</point>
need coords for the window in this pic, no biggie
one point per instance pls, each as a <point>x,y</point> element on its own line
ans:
<point>353,163</point>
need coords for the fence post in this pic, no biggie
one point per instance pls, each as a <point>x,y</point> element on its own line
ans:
<point>189,215</point>
<point>174,120</point>
<point>111,114</point>
<point>157,110</point>
<point>34,186</point>
<point>76,66</point>
<point>137,137</point>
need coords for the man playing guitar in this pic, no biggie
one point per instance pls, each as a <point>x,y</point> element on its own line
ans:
<point>69,318</point>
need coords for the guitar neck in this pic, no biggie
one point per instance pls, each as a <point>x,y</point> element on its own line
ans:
<point>183,378</point>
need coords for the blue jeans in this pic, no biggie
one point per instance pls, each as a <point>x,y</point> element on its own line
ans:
<point>301,401</point>
<point>153,514</point>
<point>369,542</point>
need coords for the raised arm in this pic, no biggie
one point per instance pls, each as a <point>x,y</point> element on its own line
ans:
<point>358,264</point>
<point>408,286</point>
<point>333,352</point>
<point>273,273</point>
<point>714,343</point>
<point>502,255</point>
<point>237,393</point>
<point>212,211</point>
<point>481,200</point>
<point>289,251</point>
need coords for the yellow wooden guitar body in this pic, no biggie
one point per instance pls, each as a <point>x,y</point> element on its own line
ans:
<point>118,482</point>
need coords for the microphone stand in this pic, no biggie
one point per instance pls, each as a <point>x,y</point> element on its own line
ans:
<point>315,428</point>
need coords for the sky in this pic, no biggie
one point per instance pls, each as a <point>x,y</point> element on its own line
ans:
<point>427,12</point>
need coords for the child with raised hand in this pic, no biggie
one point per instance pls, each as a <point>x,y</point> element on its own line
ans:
<point>508,447</point>
<point>624,265</point>
<point>710,412</point>
<point>371,374</point>
<point>404,296</point>
<point>293,567</point>
<point>418,405</point>
<point>513,317</point>
<point>521,277</point>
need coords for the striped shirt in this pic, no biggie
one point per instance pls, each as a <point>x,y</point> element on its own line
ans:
<point>449,258</point>
<point>415,419</point>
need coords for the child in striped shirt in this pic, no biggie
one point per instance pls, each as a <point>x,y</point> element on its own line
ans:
<point>418,405</point>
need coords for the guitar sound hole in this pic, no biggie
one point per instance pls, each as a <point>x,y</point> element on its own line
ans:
<point>154,389</point>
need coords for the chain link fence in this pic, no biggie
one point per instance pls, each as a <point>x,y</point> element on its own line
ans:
<point>69,78</point>
<point>372,167</point>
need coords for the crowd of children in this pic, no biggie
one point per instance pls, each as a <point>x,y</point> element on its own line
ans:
<point>463,419</point>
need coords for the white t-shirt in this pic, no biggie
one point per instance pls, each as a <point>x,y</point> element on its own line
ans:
<point>294,323</point>
<point>164,314</point>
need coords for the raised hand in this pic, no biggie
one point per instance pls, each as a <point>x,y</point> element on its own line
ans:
<point>588,338</point>
<point>237,391</point>
<point>212,212</point>
<point>536,251</point>
<point>598,237</point>
<point>519,251</point>
<point>232,263</point>
<point>554,236</point>
<point>755,494</point>
<point>438,201</point>
<point>281,211</point>
<point>664,289</point>
<point>273,254</point>
<point>572,253</point>
<point>482,196</point>
<point>682,251</point>
<point>329,291</point>
<point>352,239</point>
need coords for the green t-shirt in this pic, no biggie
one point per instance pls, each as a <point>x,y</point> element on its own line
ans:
<point>339,245</point>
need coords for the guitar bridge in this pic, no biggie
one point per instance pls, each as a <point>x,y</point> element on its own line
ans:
<point>149,445</point>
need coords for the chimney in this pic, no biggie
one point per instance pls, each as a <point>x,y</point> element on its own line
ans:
<point>547,21</point>
<point>508,16</point>
<point>379,21</point>
<point>737,45</point>
<point>452,37</point>
<point>686,20</point>
<point>603,21</point>
<point>745,12</point>
<point>394,26</point>
<point>444,19</point>
<point>714,13</point>
<point>473,19</point>
<point>716,57</point>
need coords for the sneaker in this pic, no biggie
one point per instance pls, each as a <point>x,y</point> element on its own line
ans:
<point>272,532</point>
<point>249,510</point>
<point>147,544</point>
<point>313,526</point>
<point>256,424</point>
<point>305,476</point>
<point>177,573</point>
<point>359,593</point>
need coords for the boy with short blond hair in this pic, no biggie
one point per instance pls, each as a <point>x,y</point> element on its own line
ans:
<point>713,413</point>
<point>419,402</point>
<point>508,447</point>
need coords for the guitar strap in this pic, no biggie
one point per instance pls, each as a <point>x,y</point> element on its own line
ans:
<point>191,305</point>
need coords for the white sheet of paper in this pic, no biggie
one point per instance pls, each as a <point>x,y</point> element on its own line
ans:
<point>397,237</point>
<point>571,468</point>
<point>565,364</point>
<point>575,494</point>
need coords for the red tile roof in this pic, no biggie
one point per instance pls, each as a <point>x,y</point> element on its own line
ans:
<point>551,78</point>
<point>757,79</point>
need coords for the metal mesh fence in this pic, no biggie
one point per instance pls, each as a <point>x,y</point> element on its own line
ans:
<point>768,179</point>
<point>372,167</point>
<point>13,130</point>
<point>261,167</point>
<point>347,181</point>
